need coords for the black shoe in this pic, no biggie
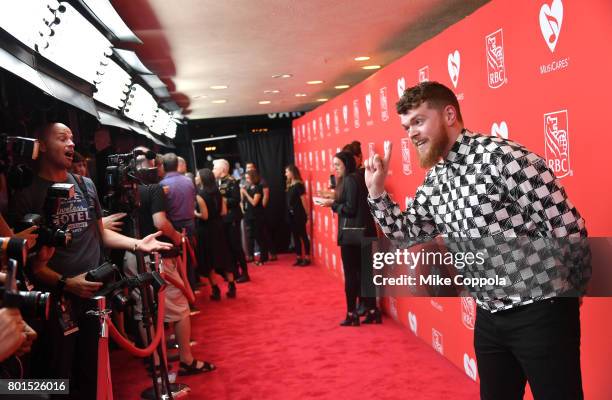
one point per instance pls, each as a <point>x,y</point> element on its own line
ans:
<point>259,263</point>
<point>352,319</point>
<point>305,262</point>
<point>361,310</point>
<point>373,316</point>
<point>273,257</point>
<point>243,279</point>
<point>216,293</point>
<point>298,262</point>
<point>231,290</point>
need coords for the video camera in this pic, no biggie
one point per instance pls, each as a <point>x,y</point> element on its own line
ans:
<point>113,288</point>
<point>31,304</point>
<point>14,152</point>
<point>48,234</point>
<point>122,180</point>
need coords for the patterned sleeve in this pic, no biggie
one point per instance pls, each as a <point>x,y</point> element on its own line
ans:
<point>414,222</point>
<point>545,203</point>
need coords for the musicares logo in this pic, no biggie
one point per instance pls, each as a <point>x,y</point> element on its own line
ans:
<point>557,144</point>
<point>469,364</point>
<point>496,67</point>
<point>336,122</point>
<point>345,114</point>
<point>551,18</point>
<point>327,121</point>
<point>401,87</point>
<point>334,261</point>
<point>412,322</point>
<point>437,341</point>
<point>384,111</point>
<point>500,130</point>
<point>424,74</point>
<point>356,112</point>
<point>468,312</point>
<point>368,103</point>
<point>454,65</point>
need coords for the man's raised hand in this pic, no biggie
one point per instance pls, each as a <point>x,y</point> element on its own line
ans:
<point>376,169</point>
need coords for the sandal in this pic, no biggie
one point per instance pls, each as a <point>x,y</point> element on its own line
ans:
<point>192,369</point>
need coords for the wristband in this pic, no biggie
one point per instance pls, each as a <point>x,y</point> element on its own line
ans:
<point>135,246</point>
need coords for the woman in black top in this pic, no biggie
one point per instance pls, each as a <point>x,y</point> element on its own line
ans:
<point>297,216</point>
<point>252,196</point>
<point>351,205</point>
<point>213,250</point>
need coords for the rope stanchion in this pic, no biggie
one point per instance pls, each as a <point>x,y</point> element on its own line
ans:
<point>179,285</point>
<point>129,347</point>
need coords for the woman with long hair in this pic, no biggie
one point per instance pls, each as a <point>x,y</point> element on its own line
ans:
<point>297,206</point>
<point>354,224</point>
<point>252,202</point>
<point>213,250</point>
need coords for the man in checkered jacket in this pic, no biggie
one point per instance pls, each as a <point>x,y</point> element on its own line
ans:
<point>493,195</point>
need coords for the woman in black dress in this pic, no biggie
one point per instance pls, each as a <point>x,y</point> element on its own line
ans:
<point>354,216</point>
<point>213,251</point>
<point>252,196</point>
<point>297,215</point>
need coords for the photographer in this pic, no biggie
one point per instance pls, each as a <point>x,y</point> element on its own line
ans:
<point>152,216</point>
<point>62,352</point>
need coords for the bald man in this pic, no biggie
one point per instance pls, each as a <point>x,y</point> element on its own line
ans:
<point>61,353</point>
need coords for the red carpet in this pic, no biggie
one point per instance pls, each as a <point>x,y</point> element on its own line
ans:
<point>280,339</point>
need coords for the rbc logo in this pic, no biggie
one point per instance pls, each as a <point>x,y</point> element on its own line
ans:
<point>496,67</point>
<point>556,136</point>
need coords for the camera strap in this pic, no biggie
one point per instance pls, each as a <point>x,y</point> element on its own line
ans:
<point>90,202</point>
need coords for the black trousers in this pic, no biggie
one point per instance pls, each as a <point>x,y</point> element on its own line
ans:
<point>351,263</point>
<point>538,343</point>
<point>73,357</point>
<point>300,238</point>
<point>256,231</point>
<point>234,240</point>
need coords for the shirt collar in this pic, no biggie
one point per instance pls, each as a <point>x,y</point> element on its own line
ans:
<point>459,149</point>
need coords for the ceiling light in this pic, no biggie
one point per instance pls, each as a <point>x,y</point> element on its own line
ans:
<point>219,101</point>
<point>362,58</point>
<point>282,76</point>
<point>371,67</point>
<point>314,82</point>
<point>264,102</point>
<point>274,91</point>
<point>200,96</point>
<point>341,87</point>
<point>300,95</point>
<point>322,100</point>
<point>218,87</point>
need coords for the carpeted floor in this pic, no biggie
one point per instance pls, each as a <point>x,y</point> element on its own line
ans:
<point>280,339</point>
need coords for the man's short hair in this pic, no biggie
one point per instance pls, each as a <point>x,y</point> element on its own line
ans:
<point>434,93</point>
<point>170,161</point>
<point>222,163</point>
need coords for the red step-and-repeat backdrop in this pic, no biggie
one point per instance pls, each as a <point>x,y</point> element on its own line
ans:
<point>536,72</point>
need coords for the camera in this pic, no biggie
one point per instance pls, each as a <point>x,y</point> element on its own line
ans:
<point>48,233</point>
<point>14,152</point>
<point>122,179</point>
<point>113,288</point>
<point>13,247</point>
<point>32,304</point>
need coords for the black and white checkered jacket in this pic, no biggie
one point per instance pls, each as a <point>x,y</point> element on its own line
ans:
<point>493,195</point>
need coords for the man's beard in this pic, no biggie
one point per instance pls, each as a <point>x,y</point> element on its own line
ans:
<point>437,145</point>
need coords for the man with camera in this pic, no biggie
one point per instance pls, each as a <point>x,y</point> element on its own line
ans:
<point>63,351</point>
<point>152,216</point>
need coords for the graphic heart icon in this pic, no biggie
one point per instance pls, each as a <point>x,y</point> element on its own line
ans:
<point>500,130</point>
<point>454,64</point>
<point>412,321</point>
<point>401,86</point>
<point>469,364</point>
<point>551,18</point>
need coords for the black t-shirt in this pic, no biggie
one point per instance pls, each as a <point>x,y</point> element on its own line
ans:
<point>152,200</point>
<point>294,201</point>
<point>250,211</point>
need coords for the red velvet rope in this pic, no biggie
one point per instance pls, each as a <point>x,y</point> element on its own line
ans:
<point>179,285</point>
<point>129,347</point>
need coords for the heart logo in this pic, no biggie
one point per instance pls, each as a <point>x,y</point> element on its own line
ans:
<point>469,364</point>
<point>500,130</point>
<point>368,101</point>
<point>401,86</point>
<point>412,321</point>
<point>454,64</point>
<point>551,18</point>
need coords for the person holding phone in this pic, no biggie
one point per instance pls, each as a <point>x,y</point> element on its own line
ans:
<point>297,215</point>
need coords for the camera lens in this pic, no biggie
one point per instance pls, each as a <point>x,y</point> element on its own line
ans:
<point>35,304</point>
<point>118,300</point>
